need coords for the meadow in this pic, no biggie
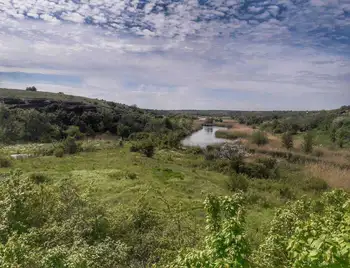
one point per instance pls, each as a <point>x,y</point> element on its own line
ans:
<point>172,186</point>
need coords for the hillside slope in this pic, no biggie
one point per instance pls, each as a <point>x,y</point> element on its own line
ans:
<point>27,116</point>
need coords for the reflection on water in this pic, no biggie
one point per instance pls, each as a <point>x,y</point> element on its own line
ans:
<point>203,137</point>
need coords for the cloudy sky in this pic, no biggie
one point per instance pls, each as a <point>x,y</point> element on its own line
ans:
<point>181,54</point>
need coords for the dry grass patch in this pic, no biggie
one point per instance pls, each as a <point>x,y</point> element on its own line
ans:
<point>334,176</point>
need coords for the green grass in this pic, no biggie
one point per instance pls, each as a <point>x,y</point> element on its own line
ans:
<point>169,181</point>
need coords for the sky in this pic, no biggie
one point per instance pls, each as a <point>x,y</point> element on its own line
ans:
<point>176,54</point>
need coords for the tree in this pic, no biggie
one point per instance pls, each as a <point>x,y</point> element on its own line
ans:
<point>307,144</point>
<point>287,140</point>
<point>31,89</point>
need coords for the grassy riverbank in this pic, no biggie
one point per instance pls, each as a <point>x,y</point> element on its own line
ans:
<point>172,184</point>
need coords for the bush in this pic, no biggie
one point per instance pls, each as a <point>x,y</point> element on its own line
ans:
<point>265,168</point>
<point>70,146</point>
<point>59,152</point>
<point>130,175</point>
<point>236,164</point>
<point>45,151</point>
<point>195,150</point>
<point>33,89</point>
<point>5,162</point>
<point>54,226</point>
<point>287,140</point>
<point>145,147</point>
<point>238,182</point>
<point>259,138</point>
<point>209,155</point>
<point>38,178</point>
<point>307,144</point>
<point>74,132</point>
<point>286,193</point>
<point>255,170</point>
<point>268,162</point>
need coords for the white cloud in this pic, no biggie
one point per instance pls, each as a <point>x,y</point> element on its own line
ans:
<point>190,56</point>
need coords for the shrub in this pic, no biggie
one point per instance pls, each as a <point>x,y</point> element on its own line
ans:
<point>195,150</point>
<point>308,234</point>
<point>268,162</point>
<point>209,155</point>
<point>287,140</point>
<point>286,193</point>
<point>70,145</point>
<point>74,131</point>
<point>45,151</point>
<point>33,89</point>
<point>225,244</point>
<point>115,175</point>
<point>38,178</point>
<point>54,226</point>
<point>145,147</point>
<point>236,163</point>
<point>265,168</point>
<point>307,144</point>
<point>5,162</point>
<point>259,138</point>
<point>238,182</point>
<point>130,175</point>
<point>256,170</point>
<point>59,152</point>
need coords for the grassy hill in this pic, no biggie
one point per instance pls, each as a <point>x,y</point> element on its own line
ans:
<point>25,95</point>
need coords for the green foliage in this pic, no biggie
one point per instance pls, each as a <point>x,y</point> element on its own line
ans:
<point>309,234</point>
<point>259,138</point>
<point>54,120</point>
<point>38,178</point>
<point>145,147</point>
<point>333,134</point>
<point>53,226</point>
<point>287,140</point>
<point>225,244</point>
<point>70,146</point>
<point>307,144</point>
<point>314,184</point>
<point>5,162</point>
<point>31,89</point>
<point>195,150</point>
<point>74,132</point>
<point>238,182</point>
<point>59,152</point>
<point>266,168</point>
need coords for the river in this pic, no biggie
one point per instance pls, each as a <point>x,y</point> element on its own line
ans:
<point>203,137</point>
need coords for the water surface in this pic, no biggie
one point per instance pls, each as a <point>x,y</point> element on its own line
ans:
<point>204,137</point>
